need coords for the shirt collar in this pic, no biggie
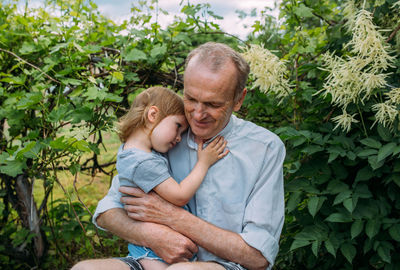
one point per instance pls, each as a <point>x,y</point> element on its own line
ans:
<point>225,132</point>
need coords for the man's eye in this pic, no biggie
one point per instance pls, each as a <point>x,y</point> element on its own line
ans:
<point>178,125</point>
<point>213,105</point>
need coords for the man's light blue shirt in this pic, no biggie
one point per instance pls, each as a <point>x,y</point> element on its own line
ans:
<point>242,193</point>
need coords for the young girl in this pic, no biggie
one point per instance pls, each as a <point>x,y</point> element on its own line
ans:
<point>154,125</point>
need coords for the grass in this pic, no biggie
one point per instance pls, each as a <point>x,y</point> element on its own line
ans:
<point>89,189</point>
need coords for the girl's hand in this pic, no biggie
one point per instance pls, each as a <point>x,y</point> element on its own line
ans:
<point>213,152</point>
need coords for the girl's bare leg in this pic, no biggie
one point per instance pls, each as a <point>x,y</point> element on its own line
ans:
<point>149,264</point>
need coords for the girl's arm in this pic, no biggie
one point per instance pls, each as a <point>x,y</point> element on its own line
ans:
<point>180,193</point>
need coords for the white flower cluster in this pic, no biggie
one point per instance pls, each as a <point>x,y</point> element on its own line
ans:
<point>344,120</point>
<point>352,79</point>
<point>349,12</point>
<point>368,43</point>
<point>387,112</point>
<point>269,72</point>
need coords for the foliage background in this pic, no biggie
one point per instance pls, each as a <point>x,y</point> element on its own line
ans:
<point>67,73</point>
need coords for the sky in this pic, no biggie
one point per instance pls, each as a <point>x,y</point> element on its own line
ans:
<point>119,10</point>
<point>232,24</point>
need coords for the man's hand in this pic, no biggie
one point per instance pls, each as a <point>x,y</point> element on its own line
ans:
<point>170,245</point>
<point>147,207</point>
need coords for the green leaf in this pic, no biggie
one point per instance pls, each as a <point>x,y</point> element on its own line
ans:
<point>371,143</point>
<point>58,114</point>
<point>350,155</point>
<point>81,114</point>
<point>315,247</point>
<point>394,232</point>
<point>348,251</point>
<point>375,164</point>
<point>70,81</point>
<point>362,191</point>
<point>184,38</point>
<point>372,227</point>
<point>332,157</point>
<point>298,244</point>
<point>356,228</point>
<point>14,80</point>
<point>158,50</point>
<point>82,146</point>
<point>29,100</point>
<point>303,11</point>
<point>59,46</point>
<point>339,217</point>
<point>396,150</point>
<point>298,141</point>
<point>27,48</point>
<point>135,55</point>
<point>350,204</point>
<point>93,93</point>
<point>117,75</point>
<point>94,147</point>
<point>385,151</point>
<point>13,167</point>
<point>30,150</point>
<point>294,200</point>
<point>330,248</point>
<point>335,187</point>
<point>384,133</point>
<point>367,152</point>
<point>113,98</point>
<point>384,253</point>
<point>314,204</point>
<point>59,144</point>
<point>311,149</point>
<point>364,174</point>
<point>342,196</point>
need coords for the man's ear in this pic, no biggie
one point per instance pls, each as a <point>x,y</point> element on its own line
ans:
<point>239,103</point>
<point>152,114</point>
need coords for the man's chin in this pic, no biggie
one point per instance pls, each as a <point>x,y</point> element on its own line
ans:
<point>201,134</point>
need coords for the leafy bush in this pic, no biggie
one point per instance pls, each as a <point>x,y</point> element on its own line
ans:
<point>342,167</point>
<point>65,79</point>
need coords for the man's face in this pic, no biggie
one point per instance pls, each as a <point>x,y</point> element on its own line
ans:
<point>209,98</point>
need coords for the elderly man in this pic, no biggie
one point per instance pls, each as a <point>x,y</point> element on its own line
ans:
<point>237,214</point>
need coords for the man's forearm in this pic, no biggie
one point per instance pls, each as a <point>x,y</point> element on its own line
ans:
<point>170,245</point>
<point>118,223</point>
<point>223,243</point>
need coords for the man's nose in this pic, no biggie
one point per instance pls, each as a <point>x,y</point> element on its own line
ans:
<point>178,138</point>
<point>199,111</point>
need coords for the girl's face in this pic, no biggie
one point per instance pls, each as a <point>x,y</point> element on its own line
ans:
<point>168,133</point>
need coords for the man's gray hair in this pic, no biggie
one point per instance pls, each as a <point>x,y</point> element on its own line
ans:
<point>216,55</point>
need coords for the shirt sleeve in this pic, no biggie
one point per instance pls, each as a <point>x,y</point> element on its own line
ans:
<point>150,173</point>
<point>111,200</point>
<point>264,213</point>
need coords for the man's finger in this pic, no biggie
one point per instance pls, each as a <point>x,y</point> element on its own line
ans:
<point>193,249</point>
<point>136,192</point>
<point>127,200</point>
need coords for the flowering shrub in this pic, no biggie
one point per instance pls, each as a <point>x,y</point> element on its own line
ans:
<point>340,124</point>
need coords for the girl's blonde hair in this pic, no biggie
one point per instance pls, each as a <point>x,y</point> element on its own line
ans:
<point>166,100</point>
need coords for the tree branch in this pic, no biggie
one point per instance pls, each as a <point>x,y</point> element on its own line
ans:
<point>32,65</point>
<point>393,33</point>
